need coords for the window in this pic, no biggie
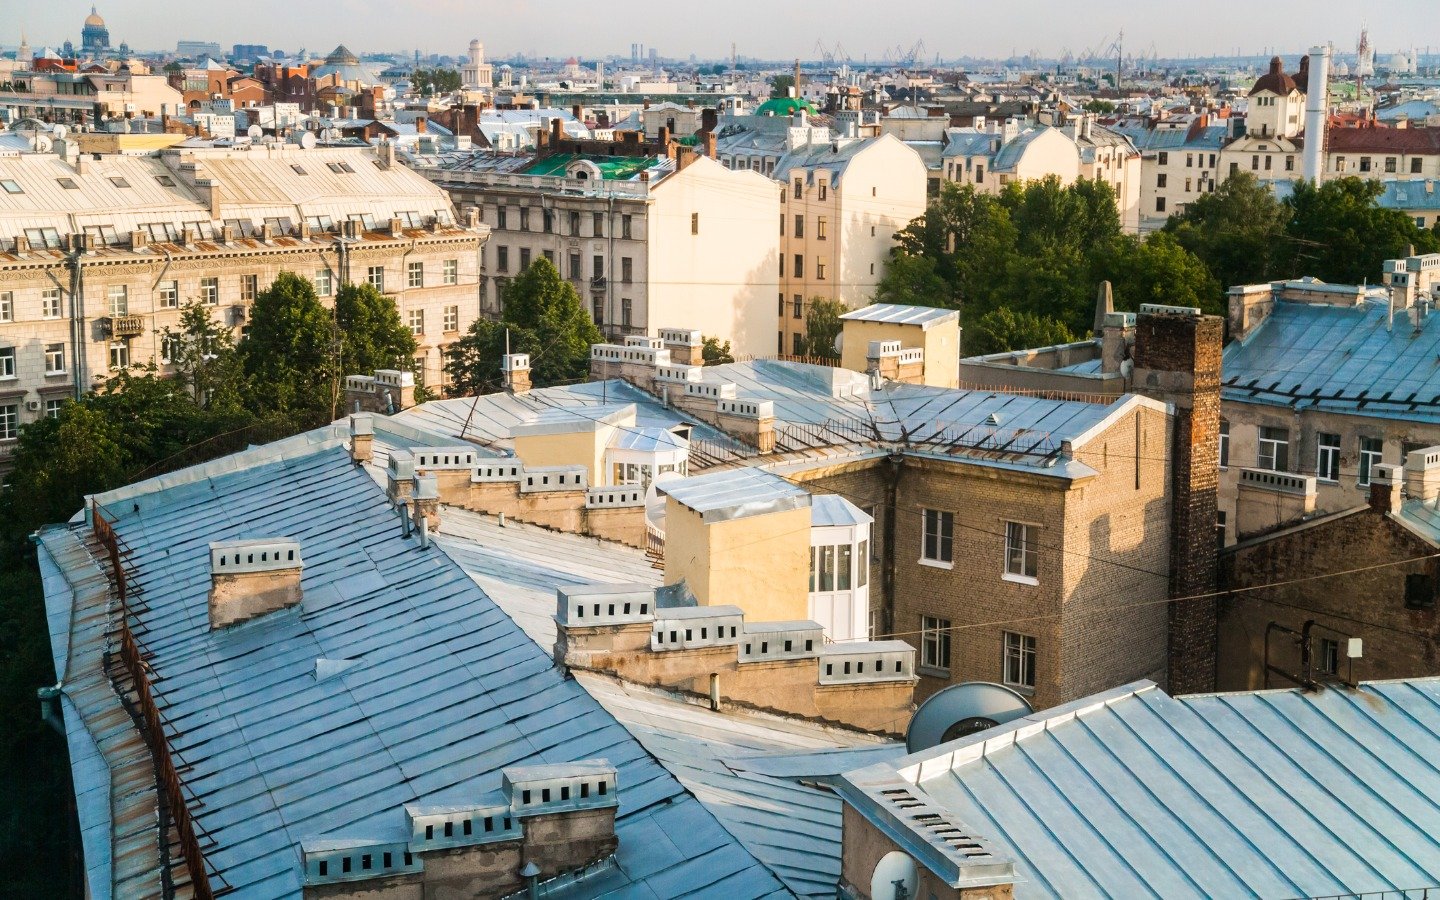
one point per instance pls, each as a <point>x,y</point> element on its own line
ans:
<point>452,319</point>
<point>119,182</point>
<point>165,180</point>
<point>524,218</point>
<point>502,259</point>
<point>1327,457</point>
<point>627,269</point>
<point>524,258</point>
<point>7,306</point>
<point>1159,204</point>
<point>575,272</point>
<point>9,421</point>
<point>1164,158</point>
<point>119,354</point>
<point>450,271</point>
<point>54,359</point>
<point>1290,163</point>
<point>1327,657</point>
<point>52,408</point>
<point>68,184</point>
<point>597,267</point>
<point>7,362</point>
<point>799,225</point>
<point>376,276</point>
<point>935,643</point>
<point>46,238</point>
<point>1274,449</point>
<point>118,298</point>
<point>799,266</point>
<point>500,217</point>
<point>1364,163</point>
<point>1371,451</point>
<point>1415,166</point>
<point>415,275</point>
<point>799,188</point>
<point>1224,444</point>
<point>324,282</point>
<point>171,347</point>
<point>819,270</point>
<point>249,286</point>
<point>695,223</point>
<point>167,294</point>
<point>820,228</point>
<point>210,290</point>
<point>1019,669</point>
<point>626,312</point>
<point>781,312</point>
<point>1021,554</point>
<point>938,537</point>
<point>1160,180</point>
<point>979,173</point>
<point>1390,164</point>
<point>625,227</point>
<point>782,222</point>
<point>547,221</point>
<point>824,190</point>
<point>597,224</point>
<point>574,218</point>
<point>797,344</point>
<point>797,307</point>
<point>102,235</point>
<point>417,322</point>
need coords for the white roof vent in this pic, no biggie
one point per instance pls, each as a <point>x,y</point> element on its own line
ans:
<point>992,419</point>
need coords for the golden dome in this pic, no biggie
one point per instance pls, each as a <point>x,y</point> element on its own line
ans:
<point>94,18</point>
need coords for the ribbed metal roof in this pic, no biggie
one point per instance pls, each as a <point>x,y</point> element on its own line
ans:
<point>735,493</point>
<point>901,314</point>
<point>833,509</point>
<point>444,693</point>
<point>1134,793</point>
<point>1339,359</point>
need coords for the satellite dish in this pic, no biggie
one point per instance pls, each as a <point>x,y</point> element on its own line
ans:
<point>963,709</point>
<point>894,877</point>
<point>255,132</point>
<point>307,140</point>
<point>839,341</point>
<point>59,131</point>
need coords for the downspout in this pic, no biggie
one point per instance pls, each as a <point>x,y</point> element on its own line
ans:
<point>77,321</point>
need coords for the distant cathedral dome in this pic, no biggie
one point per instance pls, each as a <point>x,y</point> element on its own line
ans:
<point>94,37</point>
<point>94,19</point>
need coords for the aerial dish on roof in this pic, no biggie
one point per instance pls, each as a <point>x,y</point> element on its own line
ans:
<point>59,131</point>
<point>839,342</point>
<point>307,140</point>
<point>255,132</point>
<point>963,709</point>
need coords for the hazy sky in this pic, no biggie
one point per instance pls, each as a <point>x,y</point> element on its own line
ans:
<point>764,28</point>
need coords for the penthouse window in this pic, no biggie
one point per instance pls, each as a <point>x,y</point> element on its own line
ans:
<point>68,184</point>
<point>1371,453</point>
<point>1327,457</point>
<point>1019,666</point>
<point>320,223</point>
<point>935,644</point>
<point>162,231</point>
<point>340,168</point>
<point>45,238</point>
<point>102,235</point>
<point>410,218</point>
<point>937,546</point>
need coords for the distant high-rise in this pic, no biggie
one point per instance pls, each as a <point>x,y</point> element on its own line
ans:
<point>636,52</point>
<point>94,37</point>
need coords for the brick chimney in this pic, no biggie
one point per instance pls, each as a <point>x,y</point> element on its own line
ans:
<point>1422,475</point>
<point>420,124</point>
<point>1177,360</point>
<point>250,578</point>
<point>425,506</point>
<point>362,437</point>
<point>516,369</point>
<point>1385,484</point>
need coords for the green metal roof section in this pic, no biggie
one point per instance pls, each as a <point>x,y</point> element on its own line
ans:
<point>612,168</point>
<point>785,106</point>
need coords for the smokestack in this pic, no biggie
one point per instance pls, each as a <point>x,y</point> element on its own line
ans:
<point>1317,93</point>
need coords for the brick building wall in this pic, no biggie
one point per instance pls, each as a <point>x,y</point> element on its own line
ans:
<point>1370,604</point>
<point>1177,359</point>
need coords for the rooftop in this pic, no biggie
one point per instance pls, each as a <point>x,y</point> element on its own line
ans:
<point>735,494</point>
<point>613,168</point>
<point>926,317</point>
<point>1131,792</point>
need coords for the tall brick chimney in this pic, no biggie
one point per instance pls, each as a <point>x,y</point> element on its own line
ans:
<point>1177,360</point>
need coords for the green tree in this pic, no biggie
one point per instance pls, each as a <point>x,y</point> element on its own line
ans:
<point>714,352</point>
<point>290,355</point>
<point>1158,270</point>
<point>1004,329</point>
<point>203,354</point>
<point>1339,233</point>
<point>1238,231</point>
<point>822,325</point>
<point>780,85</point>
<point>969,240</point>
<point>1102,107</point>
<point>1046,213</point>
<point>429,82</point>
<point>57,462</point>
<point>542,317</point>
<point>371,333</point>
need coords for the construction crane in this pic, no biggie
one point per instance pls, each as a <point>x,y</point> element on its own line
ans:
<point>906,59</point>
<point>831,57</point>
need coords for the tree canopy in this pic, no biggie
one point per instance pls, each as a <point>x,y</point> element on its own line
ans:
<point>542,316</point>
<point>291,353</point>
<point>822,325</point>
<point>429,82</point>
<point>371,333</point>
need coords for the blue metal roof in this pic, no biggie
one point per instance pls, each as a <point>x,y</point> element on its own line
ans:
<point>444,692</point>
<point>1134,793</point>
<point>1339,359</point>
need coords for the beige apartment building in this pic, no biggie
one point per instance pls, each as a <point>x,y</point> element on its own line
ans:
<point>841,204</point>
<point>87,97</point>
<point>650,234</point>
<point>98,253</point>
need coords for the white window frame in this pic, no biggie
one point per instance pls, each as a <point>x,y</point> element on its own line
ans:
<point>249,287</point>
<point>376,276</point>
<point>1369,459</point>
<point>7,306</point>
<point>117,299</point>
<point>1022,556</point>
<point>1224,448</point>
<point>118,355</point>
<point>55,359</point>
<point>53,406</point>
<point>1327,458</point>
<point>417,321</point>
<point>7,364</point>
<point>9,421</point>
<point>210,290</point>
<point>935,644</point>
<point>1268,449</point>
<point>414,275</point>
<point>450,271</point>
<point>324,282</point>
<point>1019,656</point>
<point>451,319</point>
<point>167,294</point>
<point>52,303</point>
<point>942,535</point>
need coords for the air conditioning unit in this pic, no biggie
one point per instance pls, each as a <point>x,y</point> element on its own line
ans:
<point>33,405</point>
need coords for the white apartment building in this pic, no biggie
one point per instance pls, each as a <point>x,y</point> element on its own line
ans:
<point>841,203</point>
<point>648,241</point>
<point>98,253</point>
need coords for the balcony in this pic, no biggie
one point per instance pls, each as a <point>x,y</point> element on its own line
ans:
<point>598,283</point>
<point>123,326</point>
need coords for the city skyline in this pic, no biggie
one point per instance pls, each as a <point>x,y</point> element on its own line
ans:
<point>759,31</point>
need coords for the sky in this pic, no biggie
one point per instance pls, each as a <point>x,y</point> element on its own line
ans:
<point>762,28</point>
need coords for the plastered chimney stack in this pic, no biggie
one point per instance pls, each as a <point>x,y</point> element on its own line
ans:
<point>1317,98</point>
